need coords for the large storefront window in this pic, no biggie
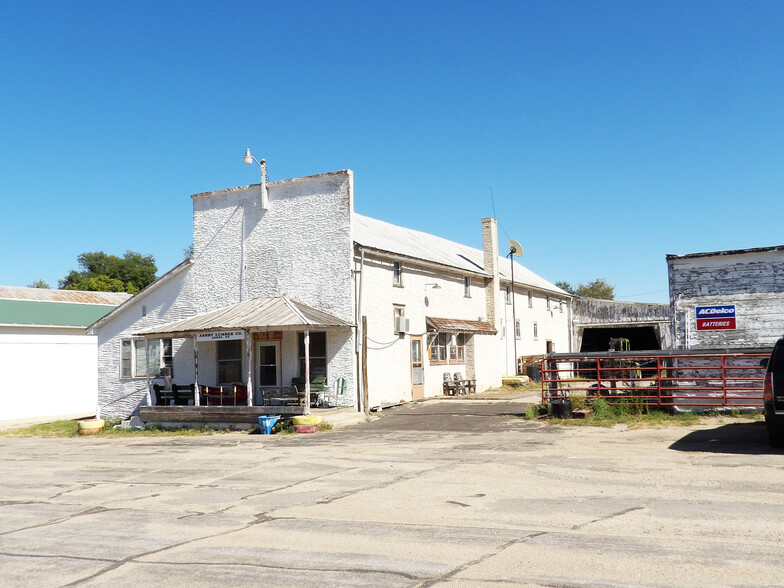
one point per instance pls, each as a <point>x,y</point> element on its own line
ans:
<point>318,354</point>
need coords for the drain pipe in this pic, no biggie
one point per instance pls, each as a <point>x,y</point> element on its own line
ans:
<point>358,322</point>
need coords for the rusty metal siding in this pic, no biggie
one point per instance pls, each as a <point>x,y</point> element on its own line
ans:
<point>752,280</point>
<point>74,296</point>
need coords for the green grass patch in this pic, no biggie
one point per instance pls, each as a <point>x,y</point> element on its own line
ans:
<point>70,429</point>
<point>601,413</point>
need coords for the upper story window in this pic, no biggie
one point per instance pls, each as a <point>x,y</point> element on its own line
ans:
<point>517,328</point>
<point>398,311</point>
<point>530,299</point>
<point>548,302</point>
<point>133,358</point>
<point>467,287</point>
<point>508,295</point>
<point>536,331</point>
<point>397,274</point>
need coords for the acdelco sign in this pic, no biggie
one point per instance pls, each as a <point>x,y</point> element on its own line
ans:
<point>712,318</point>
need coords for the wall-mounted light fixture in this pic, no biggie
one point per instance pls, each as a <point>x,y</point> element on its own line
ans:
<point>433,286</point>
<point>247,160</point>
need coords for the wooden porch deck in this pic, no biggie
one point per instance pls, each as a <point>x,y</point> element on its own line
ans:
<point>212,415</point>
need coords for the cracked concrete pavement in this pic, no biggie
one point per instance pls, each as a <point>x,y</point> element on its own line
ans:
<point>434,494</point>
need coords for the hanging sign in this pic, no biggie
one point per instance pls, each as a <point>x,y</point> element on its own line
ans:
<point>716,318</point>
<point>221,336</point>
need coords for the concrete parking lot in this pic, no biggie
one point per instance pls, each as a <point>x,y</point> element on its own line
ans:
<point>432,494</point>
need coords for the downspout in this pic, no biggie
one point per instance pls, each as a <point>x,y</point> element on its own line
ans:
<point>358,322</point>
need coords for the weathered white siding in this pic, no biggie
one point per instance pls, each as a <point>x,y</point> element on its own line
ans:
<point>301,246</point>
<point>752,280</point>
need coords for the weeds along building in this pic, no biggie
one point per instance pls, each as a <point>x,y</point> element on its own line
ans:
<point>289,262</point>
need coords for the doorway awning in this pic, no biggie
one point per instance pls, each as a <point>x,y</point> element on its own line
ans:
<point>449,325</point>
<point>279,312</point>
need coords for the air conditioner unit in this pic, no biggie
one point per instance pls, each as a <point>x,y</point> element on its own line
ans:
<point>402,324</point>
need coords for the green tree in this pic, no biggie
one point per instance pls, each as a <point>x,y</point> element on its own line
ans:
<point>566,287</point>
<point>188,251</point>
<point>598,288</point>
<point>39,284</point>
<point>108,273</point>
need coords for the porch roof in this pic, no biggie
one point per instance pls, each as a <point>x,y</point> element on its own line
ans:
<point>279,312</point>
<point>449,325</point>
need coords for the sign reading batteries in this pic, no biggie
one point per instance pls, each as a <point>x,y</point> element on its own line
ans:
<point>714,318</point>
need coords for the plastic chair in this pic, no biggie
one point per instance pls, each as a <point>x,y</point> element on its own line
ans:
<point>339,389</point>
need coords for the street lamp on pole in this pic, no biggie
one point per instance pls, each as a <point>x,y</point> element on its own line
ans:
<point>515,250</point>
<point>247,160</point>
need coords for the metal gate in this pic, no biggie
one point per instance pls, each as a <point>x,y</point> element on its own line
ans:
<point>665,379</point>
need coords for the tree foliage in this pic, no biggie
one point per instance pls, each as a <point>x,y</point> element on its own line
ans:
<point>108,273</point>
<point>567,287</point>
<point>40,284</point>
<point>598,288</point>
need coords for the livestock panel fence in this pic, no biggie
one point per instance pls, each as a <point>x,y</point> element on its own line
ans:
<point>686,379</point>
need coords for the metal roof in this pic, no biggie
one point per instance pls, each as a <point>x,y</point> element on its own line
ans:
<point>383,236</point>
<point>50,314</point>
<point>673,257</point>
<point>256,313</point>
<point>44,307</point>
<point>74,296</point>
<point>447,325</point>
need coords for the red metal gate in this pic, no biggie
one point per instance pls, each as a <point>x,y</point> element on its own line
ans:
<point>665,379</point>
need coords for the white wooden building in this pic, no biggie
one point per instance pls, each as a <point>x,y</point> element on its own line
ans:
<point>727,299</point>
<point>290,261</point>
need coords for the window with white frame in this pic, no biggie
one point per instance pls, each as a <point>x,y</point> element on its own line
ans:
<point>536,331</point>
<point>397,274</point>
<point>467,287</point>
<point>508,295</point>
<point>530,299</point>
<point>517,328</point>
<point>133,358</point>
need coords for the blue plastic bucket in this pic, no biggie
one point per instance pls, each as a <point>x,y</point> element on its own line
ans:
<point>267,422</point>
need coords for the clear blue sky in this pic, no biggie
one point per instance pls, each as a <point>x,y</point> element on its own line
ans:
<point>612,133</point>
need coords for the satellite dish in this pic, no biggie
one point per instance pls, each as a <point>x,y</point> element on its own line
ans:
<point>515,248</point>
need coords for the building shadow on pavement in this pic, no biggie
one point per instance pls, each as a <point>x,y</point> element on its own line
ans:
<point>737,438</point>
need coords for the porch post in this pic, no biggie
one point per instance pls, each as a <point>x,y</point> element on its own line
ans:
<point>195,371</point>
<point>307,371</point>
<point>250,353</point>
<point>147,369</point>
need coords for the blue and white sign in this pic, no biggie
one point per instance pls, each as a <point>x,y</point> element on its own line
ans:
<point>713,318</point>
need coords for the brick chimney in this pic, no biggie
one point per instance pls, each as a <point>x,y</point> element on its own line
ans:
<point>490,249</point>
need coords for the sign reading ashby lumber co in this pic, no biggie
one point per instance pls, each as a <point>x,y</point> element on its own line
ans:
<point>714,318</point>
<point>221,336</point>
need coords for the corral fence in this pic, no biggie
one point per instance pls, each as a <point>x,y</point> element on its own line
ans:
<point>666,379</point>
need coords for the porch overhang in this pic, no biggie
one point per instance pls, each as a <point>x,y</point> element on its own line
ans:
<point>278,313</point>
<point>450,325</point>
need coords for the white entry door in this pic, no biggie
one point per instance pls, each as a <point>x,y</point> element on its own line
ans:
<point>268,363</point>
